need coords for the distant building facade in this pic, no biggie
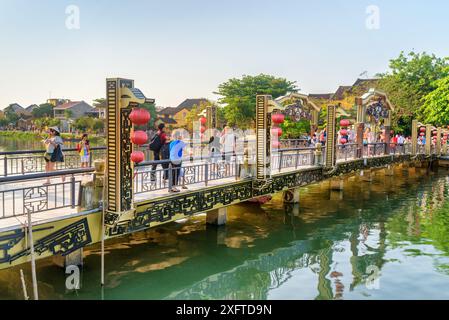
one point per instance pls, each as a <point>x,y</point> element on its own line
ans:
<point>72,110</point>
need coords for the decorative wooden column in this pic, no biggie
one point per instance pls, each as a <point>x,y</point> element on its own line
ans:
<point>212,117</point>
<point>360,126</point>
<point>263,138</point>
<point>438,146</point>
<point>414,137</point>
<point>428,139</point>
<point>387,128</point>
<point>331,137</point>
<point>121,98</point>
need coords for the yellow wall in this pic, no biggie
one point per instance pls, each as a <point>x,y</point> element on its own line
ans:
<point>180,118</point>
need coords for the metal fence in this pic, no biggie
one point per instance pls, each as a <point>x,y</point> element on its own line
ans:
<point>18,199</point>
<point>32,161</point>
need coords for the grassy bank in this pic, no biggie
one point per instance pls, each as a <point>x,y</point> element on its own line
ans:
<point>26,135</point>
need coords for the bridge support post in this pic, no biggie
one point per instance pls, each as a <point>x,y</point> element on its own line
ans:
<point>92,190</point>
<point>217,217</point>
<point>291,196</point>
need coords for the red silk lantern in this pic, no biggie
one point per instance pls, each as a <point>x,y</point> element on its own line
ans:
<point>139,116</point>
<point>343,141</point>
<point>203,129</point>
<point>275,144</point>
<point>434,133</point>
<point>278,118</point>
<point>137,156</point>
<point>422,129</point>
<point>203,121</point>
<point>345,123</point>
<point>343,132</point>
<point>276,131</point>
<point>139,137</point>
<point>422,134</point>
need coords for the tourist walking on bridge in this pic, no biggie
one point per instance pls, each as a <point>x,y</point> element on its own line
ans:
<point>53,152</point>
<point>156,144</point>
<point>176,151</point>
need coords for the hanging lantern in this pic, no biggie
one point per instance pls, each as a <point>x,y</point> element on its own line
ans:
<point>392,132</point>
<point>345,123</point>
<point>203,129</point>
<point>203,121</point>
<point>278,118</point>
<point>434,132</point>
<point>275,144</point>
<point>422,134</point>
<point>343,132</point>
<point>139,137</point>
<point>422,129</point>
<point>139,116</point>
<point>343,141</point>
<point>276,131</point>
<point>137,156</point>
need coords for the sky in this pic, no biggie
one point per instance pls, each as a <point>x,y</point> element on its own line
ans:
<point>178,49</point>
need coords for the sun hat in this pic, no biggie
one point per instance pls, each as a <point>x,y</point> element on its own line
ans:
<point>55,129</point>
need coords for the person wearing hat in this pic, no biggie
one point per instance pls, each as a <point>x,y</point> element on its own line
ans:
<point>53,142</point>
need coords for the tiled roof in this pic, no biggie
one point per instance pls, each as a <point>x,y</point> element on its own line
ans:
<point>167,120</point>
<point>68,105</point>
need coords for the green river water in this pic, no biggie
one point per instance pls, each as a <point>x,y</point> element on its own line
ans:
<point>393,230</point>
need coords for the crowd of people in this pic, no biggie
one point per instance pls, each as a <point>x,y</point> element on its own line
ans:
<point>168,148</point>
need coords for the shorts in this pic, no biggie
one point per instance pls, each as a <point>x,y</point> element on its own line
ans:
<point>84,159</point>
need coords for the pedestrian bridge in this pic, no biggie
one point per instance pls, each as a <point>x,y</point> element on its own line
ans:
<point>67,215</point>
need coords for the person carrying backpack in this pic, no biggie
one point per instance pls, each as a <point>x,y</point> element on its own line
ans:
<point>156,143</point>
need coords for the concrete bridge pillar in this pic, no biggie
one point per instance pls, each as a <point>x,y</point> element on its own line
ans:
<point>92,190</point>
<point>291,196</point>
<point>217,217</point>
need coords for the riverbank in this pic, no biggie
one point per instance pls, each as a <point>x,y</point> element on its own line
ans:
<point>37,136</point>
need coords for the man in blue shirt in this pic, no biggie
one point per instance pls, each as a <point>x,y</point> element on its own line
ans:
<point>176,150</point>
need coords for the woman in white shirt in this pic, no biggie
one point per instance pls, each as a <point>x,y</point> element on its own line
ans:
<point>51,144</point>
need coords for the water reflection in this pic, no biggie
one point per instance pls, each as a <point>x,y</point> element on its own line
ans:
<point>321,249</point>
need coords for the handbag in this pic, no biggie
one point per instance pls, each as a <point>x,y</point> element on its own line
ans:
<point>57,155</point>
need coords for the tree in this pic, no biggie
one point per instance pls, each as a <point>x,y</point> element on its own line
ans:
<point>411,78</point>
<point>100,103</point>
<point>98,125</point>
<point>43,110</point>
<point>239,96</point>
<point>192,115</point>
<point>11,116</point>
<point>295,129</point>
<point>436,103</point>
<point>151,108</point>
<point>84,123</point>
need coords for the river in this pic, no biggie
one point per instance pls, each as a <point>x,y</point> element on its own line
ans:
<point>387,239</point>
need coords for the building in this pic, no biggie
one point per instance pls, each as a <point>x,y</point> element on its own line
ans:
<point>19,110</point>
<point>72,110</point>
<point>97,112</point>
<point>31,107</point>
<point>176,117</point>
<point>56,102</point>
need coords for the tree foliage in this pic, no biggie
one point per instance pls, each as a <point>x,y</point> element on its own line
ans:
<point>411,78</point>
<point>239,96</point>
<point>42,111</point>
<point>436,103</point>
